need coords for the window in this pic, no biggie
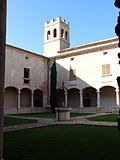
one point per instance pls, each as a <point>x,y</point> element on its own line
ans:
<point>72,75</point>
<point>66,35</point>
<point>48,35</point>
<point>104,53</point>
<point>26,75</point>
<point>54,33</point>
<point>72,58</point>
<point>106,69</point>
<point>62,33</point>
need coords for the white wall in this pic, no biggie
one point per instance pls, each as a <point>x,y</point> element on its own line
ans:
<point>89,70</point>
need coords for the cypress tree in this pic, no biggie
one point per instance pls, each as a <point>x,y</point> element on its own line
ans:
<point>117,27</point>
<point>117,3</point>
<point>53,87</point>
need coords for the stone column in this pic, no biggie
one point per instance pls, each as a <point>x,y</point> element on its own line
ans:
<point>32,105</point>
<point>19,99</point>
<point>81,99</point>
<point>98,99</point>
<point>45,99</point>
<point>117,97</point>
<point>66,99</point>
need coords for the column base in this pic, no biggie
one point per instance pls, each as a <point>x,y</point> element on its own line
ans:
<point>116,109</point>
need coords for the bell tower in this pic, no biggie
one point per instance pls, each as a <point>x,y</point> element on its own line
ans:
<point>56,36</point>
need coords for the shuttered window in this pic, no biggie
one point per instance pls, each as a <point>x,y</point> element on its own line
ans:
<point>106,69</point>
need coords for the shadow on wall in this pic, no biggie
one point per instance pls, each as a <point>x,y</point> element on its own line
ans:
<point>75,86</point>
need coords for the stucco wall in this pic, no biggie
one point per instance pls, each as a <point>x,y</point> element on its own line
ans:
<point>89,69</point>
<point>16,61</point>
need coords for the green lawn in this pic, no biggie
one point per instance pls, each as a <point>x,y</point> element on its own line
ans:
<point>49,115</point>
<point>39,115</point>
<point>8,121</point>
<point>63,142</point>
<point>105,118</point>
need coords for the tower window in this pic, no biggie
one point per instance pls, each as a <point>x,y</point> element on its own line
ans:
<point>62,33</point>
<point>66,35</point>
<point>48,35</point>
<point>54,33</point>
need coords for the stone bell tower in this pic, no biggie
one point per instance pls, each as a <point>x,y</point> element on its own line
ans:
<point>56,36</point>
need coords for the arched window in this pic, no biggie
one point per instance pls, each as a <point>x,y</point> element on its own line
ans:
<point>48,35</point>
<point>62,33</point>
<point>66,35</point>
<point>54,33</point>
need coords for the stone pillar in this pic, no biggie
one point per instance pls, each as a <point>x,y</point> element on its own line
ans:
<point>81,99</point>
<point>66,99</point>
<point>117,97</point>
<point>98,99</point>
<point>45,99</point>
<point>19,99</point>
<point>32,100</point>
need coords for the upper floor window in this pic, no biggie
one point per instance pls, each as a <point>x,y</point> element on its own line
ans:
<point>48,35</point>
<point>54,33</point>
<point>66,35</point>
<point>72,74</point>
<point>106,70</point>
<point>26,75</point>
<point>62,33</point>
<point>104,53</point>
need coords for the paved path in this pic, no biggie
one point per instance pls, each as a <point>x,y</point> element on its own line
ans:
<point>47,122</point>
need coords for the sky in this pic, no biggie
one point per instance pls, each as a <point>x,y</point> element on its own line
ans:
<point>90,21</point>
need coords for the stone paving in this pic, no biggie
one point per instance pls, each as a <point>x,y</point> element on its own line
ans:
<point>47,122</point>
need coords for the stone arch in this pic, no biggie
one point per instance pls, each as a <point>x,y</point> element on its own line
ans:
<point>38,98</point>
<point>25,97</point>
<point>73,98</point>
<point>107,98</point>
<point>11,97</point>
<point>89,97</point>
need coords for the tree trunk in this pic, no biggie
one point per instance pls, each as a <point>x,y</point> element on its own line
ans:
<point>3,4</point>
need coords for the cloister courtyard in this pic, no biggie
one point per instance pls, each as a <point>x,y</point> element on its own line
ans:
<point>39,136</point>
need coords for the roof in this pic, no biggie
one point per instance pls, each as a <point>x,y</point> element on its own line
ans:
<point>23,50</point>
<point>88,48</point>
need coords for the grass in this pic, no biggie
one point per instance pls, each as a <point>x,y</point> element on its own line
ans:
<point>8,121</point>
<point>105,118</point>
<point>39,115</point>
<point>63,142</point>
<point>49,115</point>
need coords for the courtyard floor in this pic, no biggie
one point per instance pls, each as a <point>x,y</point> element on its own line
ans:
<point>48,121</point>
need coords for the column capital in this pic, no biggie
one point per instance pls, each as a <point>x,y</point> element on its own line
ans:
<point>32,92</point>
<point>81,92</point>
<point>65,92</point>
<point>19,91</point>
<point>98,91</point>
<point>117,90</point>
